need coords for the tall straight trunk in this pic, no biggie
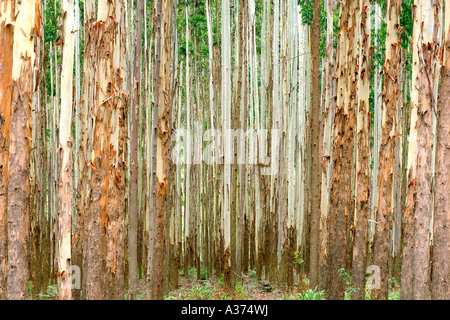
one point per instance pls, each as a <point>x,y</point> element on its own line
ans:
<point>40,223</point>
<point>236,87</point>
<point>314,146</point>
<point>391,94</point>
<point>163,102</point>
<point>428,49</point>
<point>440,271</point>
<point>187,179</point>
<point>273,248</point>
<point>360,247</point>
<point>283,247</point>
<point>76,214</point>
<point>212,103</point>
<point>416,252</point>
<point>257,181</point>
<point>36,172</point>
<point>19,156</point>
<point>135,99</point>
<point>397,179</point>
<point>293,19</point>
<point>99,214</point>
<point>65,155</point>
<point>328,107</point>
<point>242,193</point>
<point>171,261</point>
<point>6,61</point>
<point>376,129</point>
<point>301,138</point>
<point>84,152</point>
<point>115,231</point>
<point>226,126</point>
<point>343,147</point>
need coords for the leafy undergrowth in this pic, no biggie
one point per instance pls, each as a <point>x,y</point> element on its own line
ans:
<point>247,288</point>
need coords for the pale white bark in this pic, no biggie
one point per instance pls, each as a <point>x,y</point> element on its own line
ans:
<point>65,143</point>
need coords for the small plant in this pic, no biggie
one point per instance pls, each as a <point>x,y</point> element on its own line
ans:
<point>192,273</point>
<point>394,295</point>
<point>394,289</point>
<point>367,293</point>
<point>394,284</point>
<point>221,280</point>
<point>200,292</point>
<point>297,258</point>
<point>312,294</point>
<point>225,296</point>
<point>203,273</point>
<point>348,281</point>
<point>173,297</point>
<point>50,294</point>
<point>240,292</point>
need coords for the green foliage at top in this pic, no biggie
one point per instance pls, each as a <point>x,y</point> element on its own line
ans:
<point>306,11</point>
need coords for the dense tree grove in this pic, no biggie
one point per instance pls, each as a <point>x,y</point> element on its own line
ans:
<point>302,143</point>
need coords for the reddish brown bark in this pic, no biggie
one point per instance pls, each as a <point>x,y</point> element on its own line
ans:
<point>6,62</point>
<point>340,201</point>
<point>163,99</point>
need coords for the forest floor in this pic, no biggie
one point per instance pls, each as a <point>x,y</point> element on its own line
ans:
<point>250,288</point>
<point>247,287</point>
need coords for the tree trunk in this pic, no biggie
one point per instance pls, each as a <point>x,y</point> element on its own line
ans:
<point>19,157</point>
<point>65,155</point>
<point>362,156</point>
<point>226,126</point>
<point>343,147</point>
<point>416,252</point>
<point>163,102</point>
<point>6,61</point>
<point>329,92</point>
<point>135,99</point>
<point>440,271</point>
<point>315,151</point>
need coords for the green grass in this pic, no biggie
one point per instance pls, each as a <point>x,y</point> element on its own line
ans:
<point>50,294</point>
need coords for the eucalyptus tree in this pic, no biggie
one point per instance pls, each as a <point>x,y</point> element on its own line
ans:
<point>6,60</point>
<point>19,151</point>
<point>65,155</point>
<point>440,268</point>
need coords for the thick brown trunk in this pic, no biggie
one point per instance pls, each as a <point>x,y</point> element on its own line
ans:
<point>19,157</point>
<point>416,252</point>
<point>340,203</point>
<point>99,216</point>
